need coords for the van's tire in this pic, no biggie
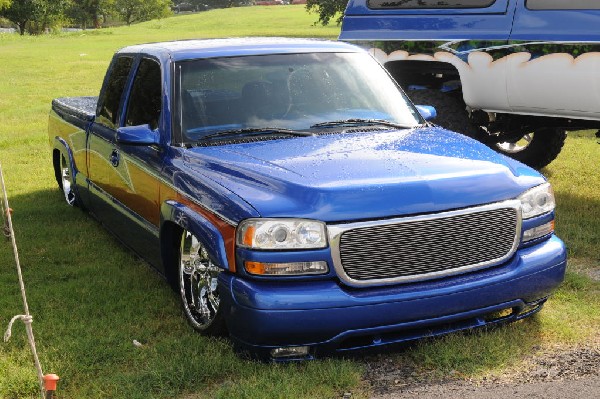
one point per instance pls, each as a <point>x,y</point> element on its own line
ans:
<point>536,149</point>
<point>451,111</point>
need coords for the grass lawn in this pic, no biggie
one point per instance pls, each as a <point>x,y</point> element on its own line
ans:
<point>91,298</point>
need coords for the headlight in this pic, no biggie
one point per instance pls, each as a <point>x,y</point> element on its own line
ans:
<point>537,201</point>
<point>281,234</point>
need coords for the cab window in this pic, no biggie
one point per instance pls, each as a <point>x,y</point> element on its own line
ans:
<point>145,102</point>
<point>110,97</point>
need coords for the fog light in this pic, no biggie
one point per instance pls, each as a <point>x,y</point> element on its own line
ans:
<point>289,351</point>
<point>286,269</point>
<point>532,307</point>
<point>499,315</point>
<point>538,231</point>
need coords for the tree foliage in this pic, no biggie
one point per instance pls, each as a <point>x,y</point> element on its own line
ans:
<point>327,10</point>
<point>48,13</point>
<point>132,11</point>
<point>34,15</point>
<point>20,12</point>
<point>89,12</point>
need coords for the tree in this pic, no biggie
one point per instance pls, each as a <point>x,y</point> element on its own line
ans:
<point>4,4</point>
<point>20,12</point>
<point>132,11</point>
<point>34,15</point>
<point>327,9</point>
<point>85,12</point>
<point>48,13</point>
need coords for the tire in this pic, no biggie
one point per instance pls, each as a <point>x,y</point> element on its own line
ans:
<point>536,149</point>
<point>451,111</point>
<point>64,178</point>
<point>198,287</point>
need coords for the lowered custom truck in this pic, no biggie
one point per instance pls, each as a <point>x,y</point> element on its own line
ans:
<point>514,74</point>
<point>296,199</point>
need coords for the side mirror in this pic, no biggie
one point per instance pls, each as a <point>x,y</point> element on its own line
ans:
<point>137,135</point>
<point>428,112</point>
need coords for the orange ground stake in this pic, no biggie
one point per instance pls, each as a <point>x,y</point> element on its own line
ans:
<point>50,381</point>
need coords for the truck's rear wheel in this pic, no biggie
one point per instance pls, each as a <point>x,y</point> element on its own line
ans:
<point>65,179</point>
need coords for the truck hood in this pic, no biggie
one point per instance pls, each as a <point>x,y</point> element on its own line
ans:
<point>363,175</point>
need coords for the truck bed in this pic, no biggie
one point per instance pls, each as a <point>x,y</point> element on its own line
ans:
<point>76,110</point>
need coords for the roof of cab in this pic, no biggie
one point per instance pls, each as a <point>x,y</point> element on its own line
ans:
<point>210,48</point>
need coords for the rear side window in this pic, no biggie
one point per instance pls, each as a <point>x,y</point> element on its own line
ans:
<point>563,4</point>
<point>145,100</point>
<point>407,4</point>
<point>111,95</point>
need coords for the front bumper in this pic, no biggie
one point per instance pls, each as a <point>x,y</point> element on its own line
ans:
<point>330,317</point>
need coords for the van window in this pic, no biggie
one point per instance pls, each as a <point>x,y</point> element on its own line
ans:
<point>399,4</point>
<point>563,4</point>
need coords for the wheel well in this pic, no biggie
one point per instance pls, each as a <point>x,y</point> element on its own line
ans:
<point>170,238</point>
<point>432,74</point>
<point>56,163</point>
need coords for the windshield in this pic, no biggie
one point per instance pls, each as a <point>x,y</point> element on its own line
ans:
<point>283,91</point>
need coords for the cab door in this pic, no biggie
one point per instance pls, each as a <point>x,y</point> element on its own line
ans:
<point>124,177</point>
<point>555,69</point>
<point>140,165</point>
<point>105,178</point>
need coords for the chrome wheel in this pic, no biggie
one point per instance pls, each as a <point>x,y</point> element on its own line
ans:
<point>513,147</point>
<point>66,181</point>
<point>198,285</point>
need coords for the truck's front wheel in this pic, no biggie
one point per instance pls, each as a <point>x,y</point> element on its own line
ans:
<point>198,287</point>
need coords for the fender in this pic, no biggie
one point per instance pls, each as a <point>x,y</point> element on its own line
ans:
<point>63,148</point>
<point>186,218</point>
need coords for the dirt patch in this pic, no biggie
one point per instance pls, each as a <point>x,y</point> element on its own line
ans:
<point>586,387</point>
<point>560,365</point>
<point>594,274</point>
<point>541,374</point>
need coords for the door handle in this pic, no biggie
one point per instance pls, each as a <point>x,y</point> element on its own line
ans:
<point>114,158</point>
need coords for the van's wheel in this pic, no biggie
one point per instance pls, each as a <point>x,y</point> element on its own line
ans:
<point>536,149</point>
<point>64,178</point>
<point>451,111</point>
<point>198,287</point>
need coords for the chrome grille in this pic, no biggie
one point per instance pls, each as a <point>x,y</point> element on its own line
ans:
<point>418,248</point>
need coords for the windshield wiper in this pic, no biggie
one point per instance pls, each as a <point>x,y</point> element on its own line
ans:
<point>358,121</point>
<point>251,131</point>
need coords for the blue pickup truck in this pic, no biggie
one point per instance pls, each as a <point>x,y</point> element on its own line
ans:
<point>514,74</point>
<point>295,198</point>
